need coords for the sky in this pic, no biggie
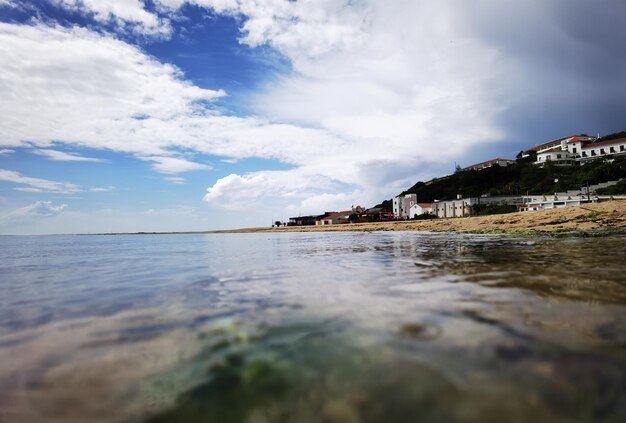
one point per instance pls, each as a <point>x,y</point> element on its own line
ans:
<point>182,115</point>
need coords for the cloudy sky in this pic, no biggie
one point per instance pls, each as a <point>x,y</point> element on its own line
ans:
<point>148,115</point>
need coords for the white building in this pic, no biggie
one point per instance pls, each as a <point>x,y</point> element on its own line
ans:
<point>576,148</point>
<point>462,207</point>
<point>334,218</point>
<point>419,209</point>
<point>556,201</point>
<point>402,205</point>
<point>483,165</point>
<point>555,155</point>
<point>598,149</point>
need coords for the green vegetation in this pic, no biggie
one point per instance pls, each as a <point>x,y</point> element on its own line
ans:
<point>487,209</point>
<point>523,177</point>
<point>520,178</point>
<point>618,189</point>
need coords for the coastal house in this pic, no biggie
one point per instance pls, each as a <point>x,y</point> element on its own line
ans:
<point>335,218</point>
<point>557,156</point>
<point>303,220</point>
<point>402,205</point>
<point>593,150</point>
<point>462,207</point>
<point>377,214</point>
<point>544,202</point>
<point>484,165</point>
<point>556,143</point>
<point>575,149</point>
<point>419,209</point>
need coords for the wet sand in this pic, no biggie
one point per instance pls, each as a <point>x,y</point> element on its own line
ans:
<point>609,216</point>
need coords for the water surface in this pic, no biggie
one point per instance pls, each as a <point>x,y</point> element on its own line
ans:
<point>312,327</point>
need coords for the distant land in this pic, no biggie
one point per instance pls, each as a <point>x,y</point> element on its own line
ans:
<point>523,177</point>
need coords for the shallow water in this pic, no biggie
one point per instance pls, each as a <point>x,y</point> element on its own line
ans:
<point>310,327</point>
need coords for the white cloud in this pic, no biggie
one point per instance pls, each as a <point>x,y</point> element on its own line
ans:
<point>62,156</point>
<point>382,101</point>
<point>176,180</point>
<point>125,13</point>
<point>378,86</point>
<point>6,151</point>
<point>165,164</point>
<point>91,90</point>
<point>38,184</point>
<point>109,188</point>
<point>379,95</point>
<point>36,210</point>
<point>305,28</point>
<point>30,184</point>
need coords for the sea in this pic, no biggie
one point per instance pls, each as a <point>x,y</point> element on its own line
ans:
<point>312,327</point>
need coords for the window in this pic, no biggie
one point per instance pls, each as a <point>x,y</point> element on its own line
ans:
<point>558,156</point>
<point>593,152</point>
<point>621,148</point>
<point>612,149</point>
<point>573,151</point>
<point>548,157</point>
<point>602,151</point>
<point>584,154</point>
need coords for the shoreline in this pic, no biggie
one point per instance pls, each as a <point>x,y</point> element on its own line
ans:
<point>594,219</point>
<point>605,218</point>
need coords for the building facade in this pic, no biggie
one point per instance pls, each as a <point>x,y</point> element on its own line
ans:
<point>402,205</point>
<point>576,149</point>
<point>544,202</point>
<point>419,209</point>
<point>483,165</point>
<point>463,207</point>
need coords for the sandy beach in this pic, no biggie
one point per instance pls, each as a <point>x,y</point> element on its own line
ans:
<point>596,217</point>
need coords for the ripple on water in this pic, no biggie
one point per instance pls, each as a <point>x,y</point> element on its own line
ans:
<point>341,327</point>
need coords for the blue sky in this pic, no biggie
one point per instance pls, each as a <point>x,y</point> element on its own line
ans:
<point>164,115</point>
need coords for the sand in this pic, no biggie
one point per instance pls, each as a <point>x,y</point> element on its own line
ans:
<point>609,216</point>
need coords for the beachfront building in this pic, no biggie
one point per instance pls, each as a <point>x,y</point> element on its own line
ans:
<point>377,214</point>
<point>402,205</point>
<point>303,220</point>
<point>462,207</point>
<point>335,218</point>
<point>593,150</point>
<point>493,162</point>
<point>556,201</point>
<point>419,209</point>
<point>574,139</point>
<point>557,156</point>
<point>576,149</point>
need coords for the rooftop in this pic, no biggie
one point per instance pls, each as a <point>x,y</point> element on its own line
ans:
<point>549,143</point>
<point>606,142</point>
<point>497,159</point>
<point>336,215</point>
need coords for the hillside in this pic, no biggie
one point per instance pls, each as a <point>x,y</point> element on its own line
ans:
<point>523,177</point>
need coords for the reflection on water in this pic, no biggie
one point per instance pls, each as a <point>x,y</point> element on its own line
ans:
<point>339,327</point>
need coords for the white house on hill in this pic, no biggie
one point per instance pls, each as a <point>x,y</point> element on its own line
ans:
<point>402,205</point>
<point>483,165</point>
<point>419,209</point>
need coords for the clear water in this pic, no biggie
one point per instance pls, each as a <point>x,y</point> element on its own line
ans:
<point>312,327</point>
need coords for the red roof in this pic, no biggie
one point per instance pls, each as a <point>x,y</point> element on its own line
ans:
<point>336,215</point>
<point>553,150</point>
<point>497,159</point>
<point>549,143</point>
<point>423,205</point>
<point>606,142</point>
